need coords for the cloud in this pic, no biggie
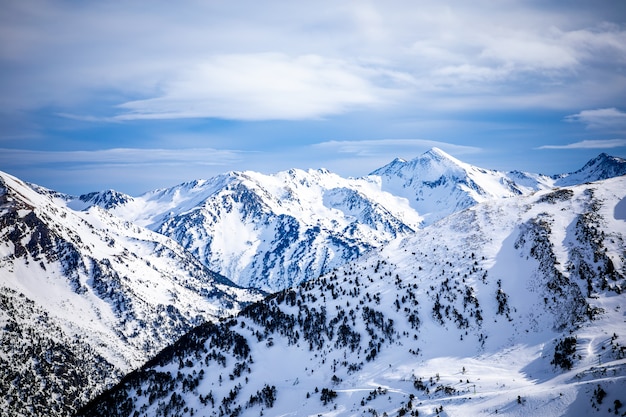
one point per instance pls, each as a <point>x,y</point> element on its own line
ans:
<point>130,170</point>
<point>260,87</point>
<point>407,147</point>
<point>530,52</point>
<point>609,118</point>
<point>88,118</point>
<point>253,61</point>
<point>589,144</point>
<point>121,157</point>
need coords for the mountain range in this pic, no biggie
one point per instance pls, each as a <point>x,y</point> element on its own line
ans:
<point>511,307</point>
<point>273,231</point>
<point>93,286</point>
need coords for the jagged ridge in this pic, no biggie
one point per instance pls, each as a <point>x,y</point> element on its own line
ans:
<point>271,231</point>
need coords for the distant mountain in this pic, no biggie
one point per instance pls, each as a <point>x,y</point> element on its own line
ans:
<point>600,168</point>
<point>437,184</point>
<point>271,231</point>
<point>511,307</point>
<point>86,297</point>
<point>108,200</point>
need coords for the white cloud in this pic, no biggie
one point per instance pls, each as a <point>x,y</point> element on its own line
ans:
<point>600,43</point>
<point>609,118</point>
<point>260,87</point>
<point>273,60</point>
<point>590,144</point>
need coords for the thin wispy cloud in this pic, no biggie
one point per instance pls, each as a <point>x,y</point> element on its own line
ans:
<point>609,118</point>
<point>123,157</point>
<point>260,87</point>
<point>589,144</point>
<point>396,147</point>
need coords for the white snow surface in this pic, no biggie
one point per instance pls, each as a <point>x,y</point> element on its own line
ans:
<point>500,268</point>
<point>558,256</point>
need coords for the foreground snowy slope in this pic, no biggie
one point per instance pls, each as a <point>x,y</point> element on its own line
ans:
<point>511,307</point>
<point>85,297</point>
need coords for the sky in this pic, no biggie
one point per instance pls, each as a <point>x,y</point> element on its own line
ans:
<point>139,95</point>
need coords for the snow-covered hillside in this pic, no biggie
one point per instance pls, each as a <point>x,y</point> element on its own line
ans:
<point>511,307</point>
<point>86,297</point>
<point>271,231</point>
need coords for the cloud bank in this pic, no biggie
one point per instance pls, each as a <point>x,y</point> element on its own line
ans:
<point>118,157</point>
<point>246,61</point>
<point>274,85</point>
<point>589,144</point>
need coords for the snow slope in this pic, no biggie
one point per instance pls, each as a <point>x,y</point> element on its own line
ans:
<point>87,297</point>
<point>512,307</point>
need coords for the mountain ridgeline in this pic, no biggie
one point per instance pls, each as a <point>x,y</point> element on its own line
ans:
<point>428,285</point>
<point>273,231</point>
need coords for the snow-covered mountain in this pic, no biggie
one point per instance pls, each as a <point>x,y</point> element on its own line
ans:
<point>437,184</point>
<point>602,167</point>
<point>271,231</point>
<point>86,297</point>
<point>511,307</point>
<point>108,200</point>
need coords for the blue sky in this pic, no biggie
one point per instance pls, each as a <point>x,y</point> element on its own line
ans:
<point>141,95</point>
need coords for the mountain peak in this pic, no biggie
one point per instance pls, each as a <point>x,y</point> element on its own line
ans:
<point>432,163</point>
<point>436,153</point>
<point>108,199</point>
<point>605,159</point>
<point>601,167</point>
